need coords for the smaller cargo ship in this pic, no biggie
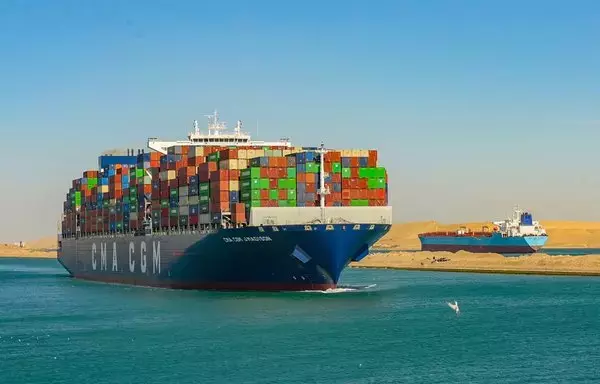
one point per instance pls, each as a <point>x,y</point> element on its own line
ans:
<point>519,234</point>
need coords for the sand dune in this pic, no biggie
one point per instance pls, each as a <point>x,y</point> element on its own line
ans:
<point>37,248</point>
<point>484,262</point>
<point>561,234</point>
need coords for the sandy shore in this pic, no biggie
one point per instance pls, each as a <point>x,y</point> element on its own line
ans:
<point>588,265</point>
<point>25,252</point>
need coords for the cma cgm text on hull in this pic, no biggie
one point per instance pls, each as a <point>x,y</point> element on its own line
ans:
<point>221,211</point>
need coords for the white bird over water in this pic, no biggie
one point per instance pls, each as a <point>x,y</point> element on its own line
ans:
<point>455,307</point>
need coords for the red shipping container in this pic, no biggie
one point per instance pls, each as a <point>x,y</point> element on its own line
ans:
<point>173,221</point>
<point>328,167</point>
<point>173,183</point>
<point>301,178</point>
<point>264,173</point>
<point>354,172</point>
<point>346,194</point>
<point>311,188</point>
<point>164,212</point>
<point>311,178</point>
<point>193,220</point>
<point>220,175</point>
<point>219,186</point>
<point>362,183</point>
<point>380,194</point>
<point>264,194</point>
<point>221,196</point>
<point>282,173</point>
<point>147,189</point>
<point>283,194</point>
<point>222,206</point>
<point>133,224</point>
<point>273,183</point>
<point>186,171</point>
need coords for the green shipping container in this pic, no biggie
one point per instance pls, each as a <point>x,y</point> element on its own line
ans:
<point>359,203</point>
<point>282,203</point>
<point>164,203</point>
<point>204,188</point>
<point>291,173</point>
<point>133,208</point>
<point>174,192</point>
<point>336,168</point>
<point>346,173</point>
<point>379,172</point>
<point>364,173</point>
<point>254,203</point>
<point>250,173</point>
<point>264,184</point>
<point>251,195</point>
<point>133,191</point>
<point>273,194</point>
<point>291,194</point>
<point>213,156</point>
<point>173,212</point>
<point>139,173</point>
<point>312,168</point>
<point>125,199</point>
<point>204,198</point>
<point>250,184</point>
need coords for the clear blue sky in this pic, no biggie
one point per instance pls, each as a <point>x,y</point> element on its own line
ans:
<point>473,105</point>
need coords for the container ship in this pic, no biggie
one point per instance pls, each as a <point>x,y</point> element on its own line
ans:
<point>220,211</point>
<point>519,234</point>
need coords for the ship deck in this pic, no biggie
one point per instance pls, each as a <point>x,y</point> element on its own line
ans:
<point>456,234</point>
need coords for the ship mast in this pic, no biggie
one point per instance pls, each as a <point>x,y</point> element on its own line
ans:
<point>323,190</point>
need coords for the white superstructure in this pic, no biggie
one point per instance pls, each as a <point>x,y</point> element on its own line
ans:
<point>216,136</point>
<point>520,224</point>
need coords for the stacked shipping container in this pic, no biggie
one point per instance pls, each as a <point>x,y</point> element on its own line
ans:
<point>196,185</point>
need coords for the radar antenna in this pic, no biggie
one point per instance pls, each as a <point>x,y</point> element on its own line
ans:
<point>214,125</point>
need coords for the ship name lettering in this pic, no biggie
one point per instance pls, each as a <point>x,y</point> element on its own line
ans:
<point>131,260</point>
<point>94,256</point>
<point>143,256</point>
<point>103,256</point>
<point>246,239</point>
<point>115,264</point>
<point>155,257</point>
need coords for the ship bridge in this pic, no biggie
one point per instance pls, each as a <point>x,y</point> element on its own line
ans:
<point>216,136</point>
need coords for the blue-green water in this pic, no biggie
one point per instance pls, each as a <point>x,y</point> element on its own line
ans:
<point>512,329</point>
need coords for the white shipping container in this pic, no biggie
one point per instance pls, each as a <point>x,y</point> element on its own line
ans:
<point>184,210</point>
<point>183,200</point>
<point>204,219</point>
<point>193,200</point>
<point>183,191</point>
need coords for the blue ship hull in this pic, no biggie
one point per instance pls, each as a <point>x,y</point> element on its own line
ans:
<point>287,257</point>
<point>484,243</point>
